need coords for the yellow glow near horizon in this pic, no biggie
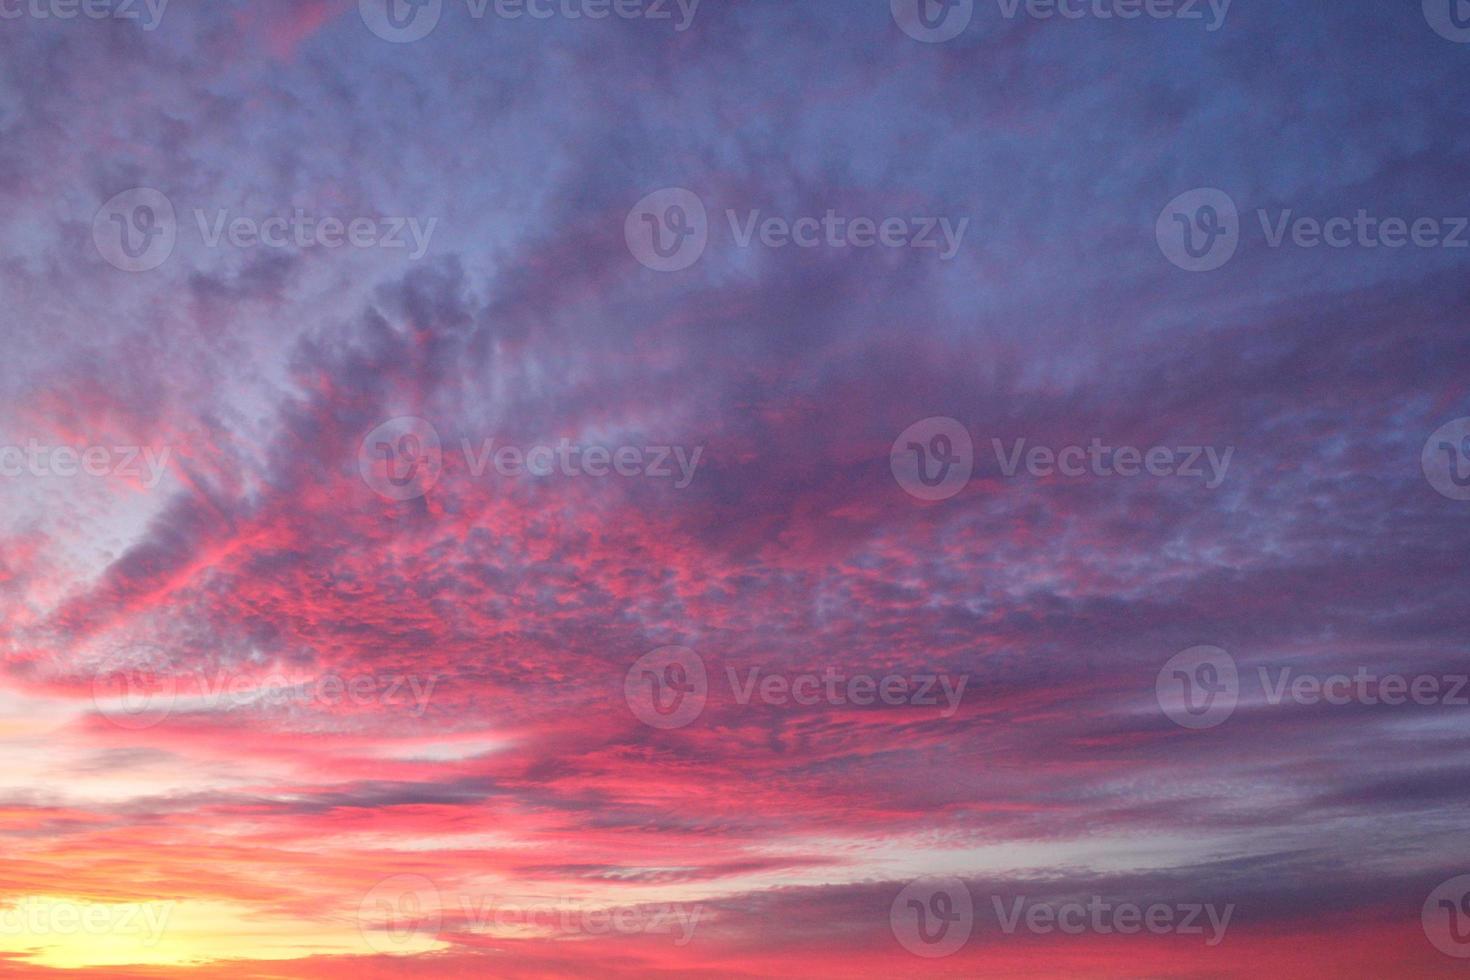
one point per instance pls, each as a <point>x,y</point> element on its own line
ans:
<point>65,933</point>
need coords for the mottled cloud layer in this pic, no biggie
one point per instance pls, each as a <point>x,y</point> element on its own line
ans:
<point>315,713</point>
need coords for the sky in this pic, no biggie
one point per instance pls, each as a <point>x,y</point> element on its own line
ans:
<point>746,488</point>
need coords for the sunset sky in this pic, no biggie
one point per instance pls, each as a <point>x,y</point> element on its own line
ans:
<point>734,489</point>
